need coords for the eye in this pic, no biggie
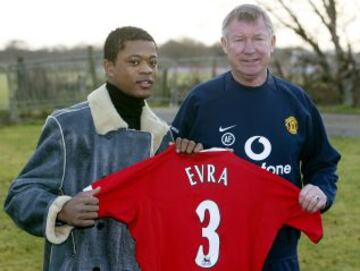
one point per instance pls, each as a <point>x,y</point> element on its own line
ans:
<point>154,62</point>
<point>239,40</point>
<point>134,61</point>
<point>259,38</point>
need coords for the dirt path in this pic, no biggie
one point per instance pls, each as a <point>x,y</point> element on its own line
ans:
<point>342,125</point>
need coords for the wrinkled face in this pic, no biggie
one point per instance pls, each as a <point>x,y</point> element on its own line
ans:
<point>248,46</point>
<point>135,68</point>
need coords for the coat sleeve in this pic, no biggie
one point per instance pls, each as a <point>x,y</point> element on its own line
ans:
<point>35,190</point>
<point>319,159</point>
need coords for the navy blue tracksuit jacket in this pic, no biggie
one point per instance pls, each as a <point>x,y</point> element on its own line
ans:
<point>275,126</point>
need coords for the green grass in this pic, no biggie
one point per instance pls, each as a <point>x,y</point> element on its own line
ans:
<point>18,250</point>
<point>340,248</point>
<point>338,251</point>
<point>340,109</point>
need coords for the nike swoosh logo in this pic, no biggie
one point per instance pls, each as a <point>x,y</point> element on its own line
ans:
<point>221,129</point>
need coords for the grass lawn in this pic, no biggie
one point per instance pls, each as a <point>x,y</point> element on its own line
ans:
<point>339,109</point>
<point>18,250</point>
<point>340,248</point>
<point>338,251</point>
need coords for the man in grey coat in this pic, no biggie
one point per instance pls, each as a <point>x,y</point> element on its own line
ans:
<point>113,129</point>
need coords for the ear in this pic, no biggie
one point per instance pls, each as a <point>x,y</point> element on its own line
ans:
<point>272,44</point>
<point>224,44</point>
<point>109,68</point>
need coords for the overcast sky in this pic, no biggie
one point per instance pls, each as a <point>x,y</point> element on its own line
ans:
<point>51,23</point>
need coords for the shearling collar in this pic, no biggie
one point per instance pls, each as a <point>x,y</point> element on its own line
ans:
<point>107,119</point>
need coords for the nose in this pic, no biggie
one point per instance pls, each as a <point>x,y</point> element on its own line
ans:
<point>146,68</point>
<point>249,47</point>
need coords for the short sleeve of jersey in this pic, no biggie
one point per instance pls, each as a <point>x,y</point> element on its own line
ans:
<point>310,224</point>
<point>285,196</point>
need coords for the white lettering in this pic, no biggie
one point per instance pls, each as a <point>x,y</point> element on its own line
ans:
<point>287,169</point>
<point>200,173</point>
<point>277,169</point>
<point>190,175</point>
<point>211,171</point>
<point>223,177</point>
<point>206,174</point>
<point>271,169</point>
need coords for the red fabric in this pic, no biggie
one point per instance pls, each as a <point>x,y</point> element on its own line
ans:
<point>158,201</point>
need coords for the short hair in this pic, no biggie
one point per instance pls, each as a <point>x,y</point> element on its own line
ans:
<point>247,13</point>
<point>116,39</point>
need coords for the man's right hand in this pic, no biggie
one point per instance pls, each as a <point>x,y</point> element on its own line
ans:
<point>81,210</point>
<point>184,145</point>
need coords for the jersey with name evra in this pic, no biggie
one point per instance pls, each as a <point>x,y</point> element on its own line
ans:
<point>207,211</point>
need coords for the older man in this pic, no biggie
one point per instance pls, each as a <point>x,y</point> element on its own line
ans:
<point>264,119</point>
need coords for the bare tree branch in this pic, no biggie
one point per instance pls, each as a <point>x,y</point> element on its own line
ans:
<point>317,11</point>
<point>298,28</point>
<point>344,72</point>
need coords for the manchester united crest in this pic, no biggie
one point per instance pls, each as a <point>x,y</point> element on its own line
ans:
<point>291,125</point>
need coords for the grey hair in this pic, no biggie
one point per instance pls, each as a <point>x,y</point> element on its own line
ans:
<point>247,13</point>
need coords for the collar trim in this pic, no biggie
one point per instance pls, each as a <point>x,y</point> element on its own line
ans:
<point>107,119</point>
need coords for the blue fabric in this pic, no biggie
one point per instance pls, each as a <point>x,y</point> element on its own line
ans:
<point>287,264</point>
<point>275,126</point>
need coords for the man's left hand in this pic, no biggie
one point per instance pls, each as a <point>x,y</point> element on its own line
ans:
<point>312,198</point>
<point>184,145</point>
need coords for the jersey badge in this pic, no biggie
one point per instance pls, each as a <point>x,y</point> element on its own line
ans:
<point>291,125</point>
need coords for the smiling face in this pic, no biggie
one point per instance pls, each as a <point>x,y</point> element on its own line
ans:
<point>248,46</point>
<point>135,68</point>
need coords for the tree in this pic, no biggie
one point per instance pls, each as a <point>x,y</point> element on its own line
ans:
<point>186,48</point>
<point>338,68</point>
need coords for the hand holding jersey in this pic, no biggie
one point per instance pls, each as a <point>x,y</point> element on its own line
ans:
<point>81,210</point>
<point>312,198</point>
<point>184,145</point>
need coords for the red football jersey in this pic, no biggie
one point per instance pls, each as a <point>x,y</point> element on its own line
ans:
<point>206,211</point>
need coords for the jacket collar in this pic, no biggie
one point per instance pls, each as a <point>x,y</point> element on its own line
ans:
<point>107,119</point>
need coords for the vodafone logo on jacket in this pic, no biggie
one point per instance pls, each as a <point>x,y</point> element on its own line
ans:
<point>263,154</point>
<point>258,156</point>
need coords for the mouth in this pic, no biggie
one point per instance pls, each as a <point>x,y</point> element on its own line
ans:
<point>145,83</point>
<point>250,61</point>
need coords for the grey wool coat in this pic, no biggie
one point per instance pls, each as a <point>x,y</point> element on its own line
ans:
<point>77,146</point>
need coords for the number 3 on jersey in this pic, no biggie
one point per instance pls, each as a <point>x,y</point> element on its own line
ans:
<point>209,232</point>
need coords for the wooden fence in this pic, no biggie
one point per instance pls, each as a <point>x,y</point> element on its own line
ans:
<point>49,84</point>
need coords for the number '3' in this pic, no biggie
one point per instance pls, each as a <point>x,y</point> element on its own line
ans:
<point>209,232</point>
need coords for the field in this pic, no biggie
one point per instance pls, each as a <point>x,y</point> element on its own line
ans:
<point>338,251</point>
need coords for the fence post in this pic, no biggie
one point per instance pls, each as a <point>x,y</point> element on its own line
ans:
<point>18,91</point>
<point>174,90</point>
<point>12,90</point>
<point>214,67</point>
<point>92,67</point>
<point>165,89</point>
